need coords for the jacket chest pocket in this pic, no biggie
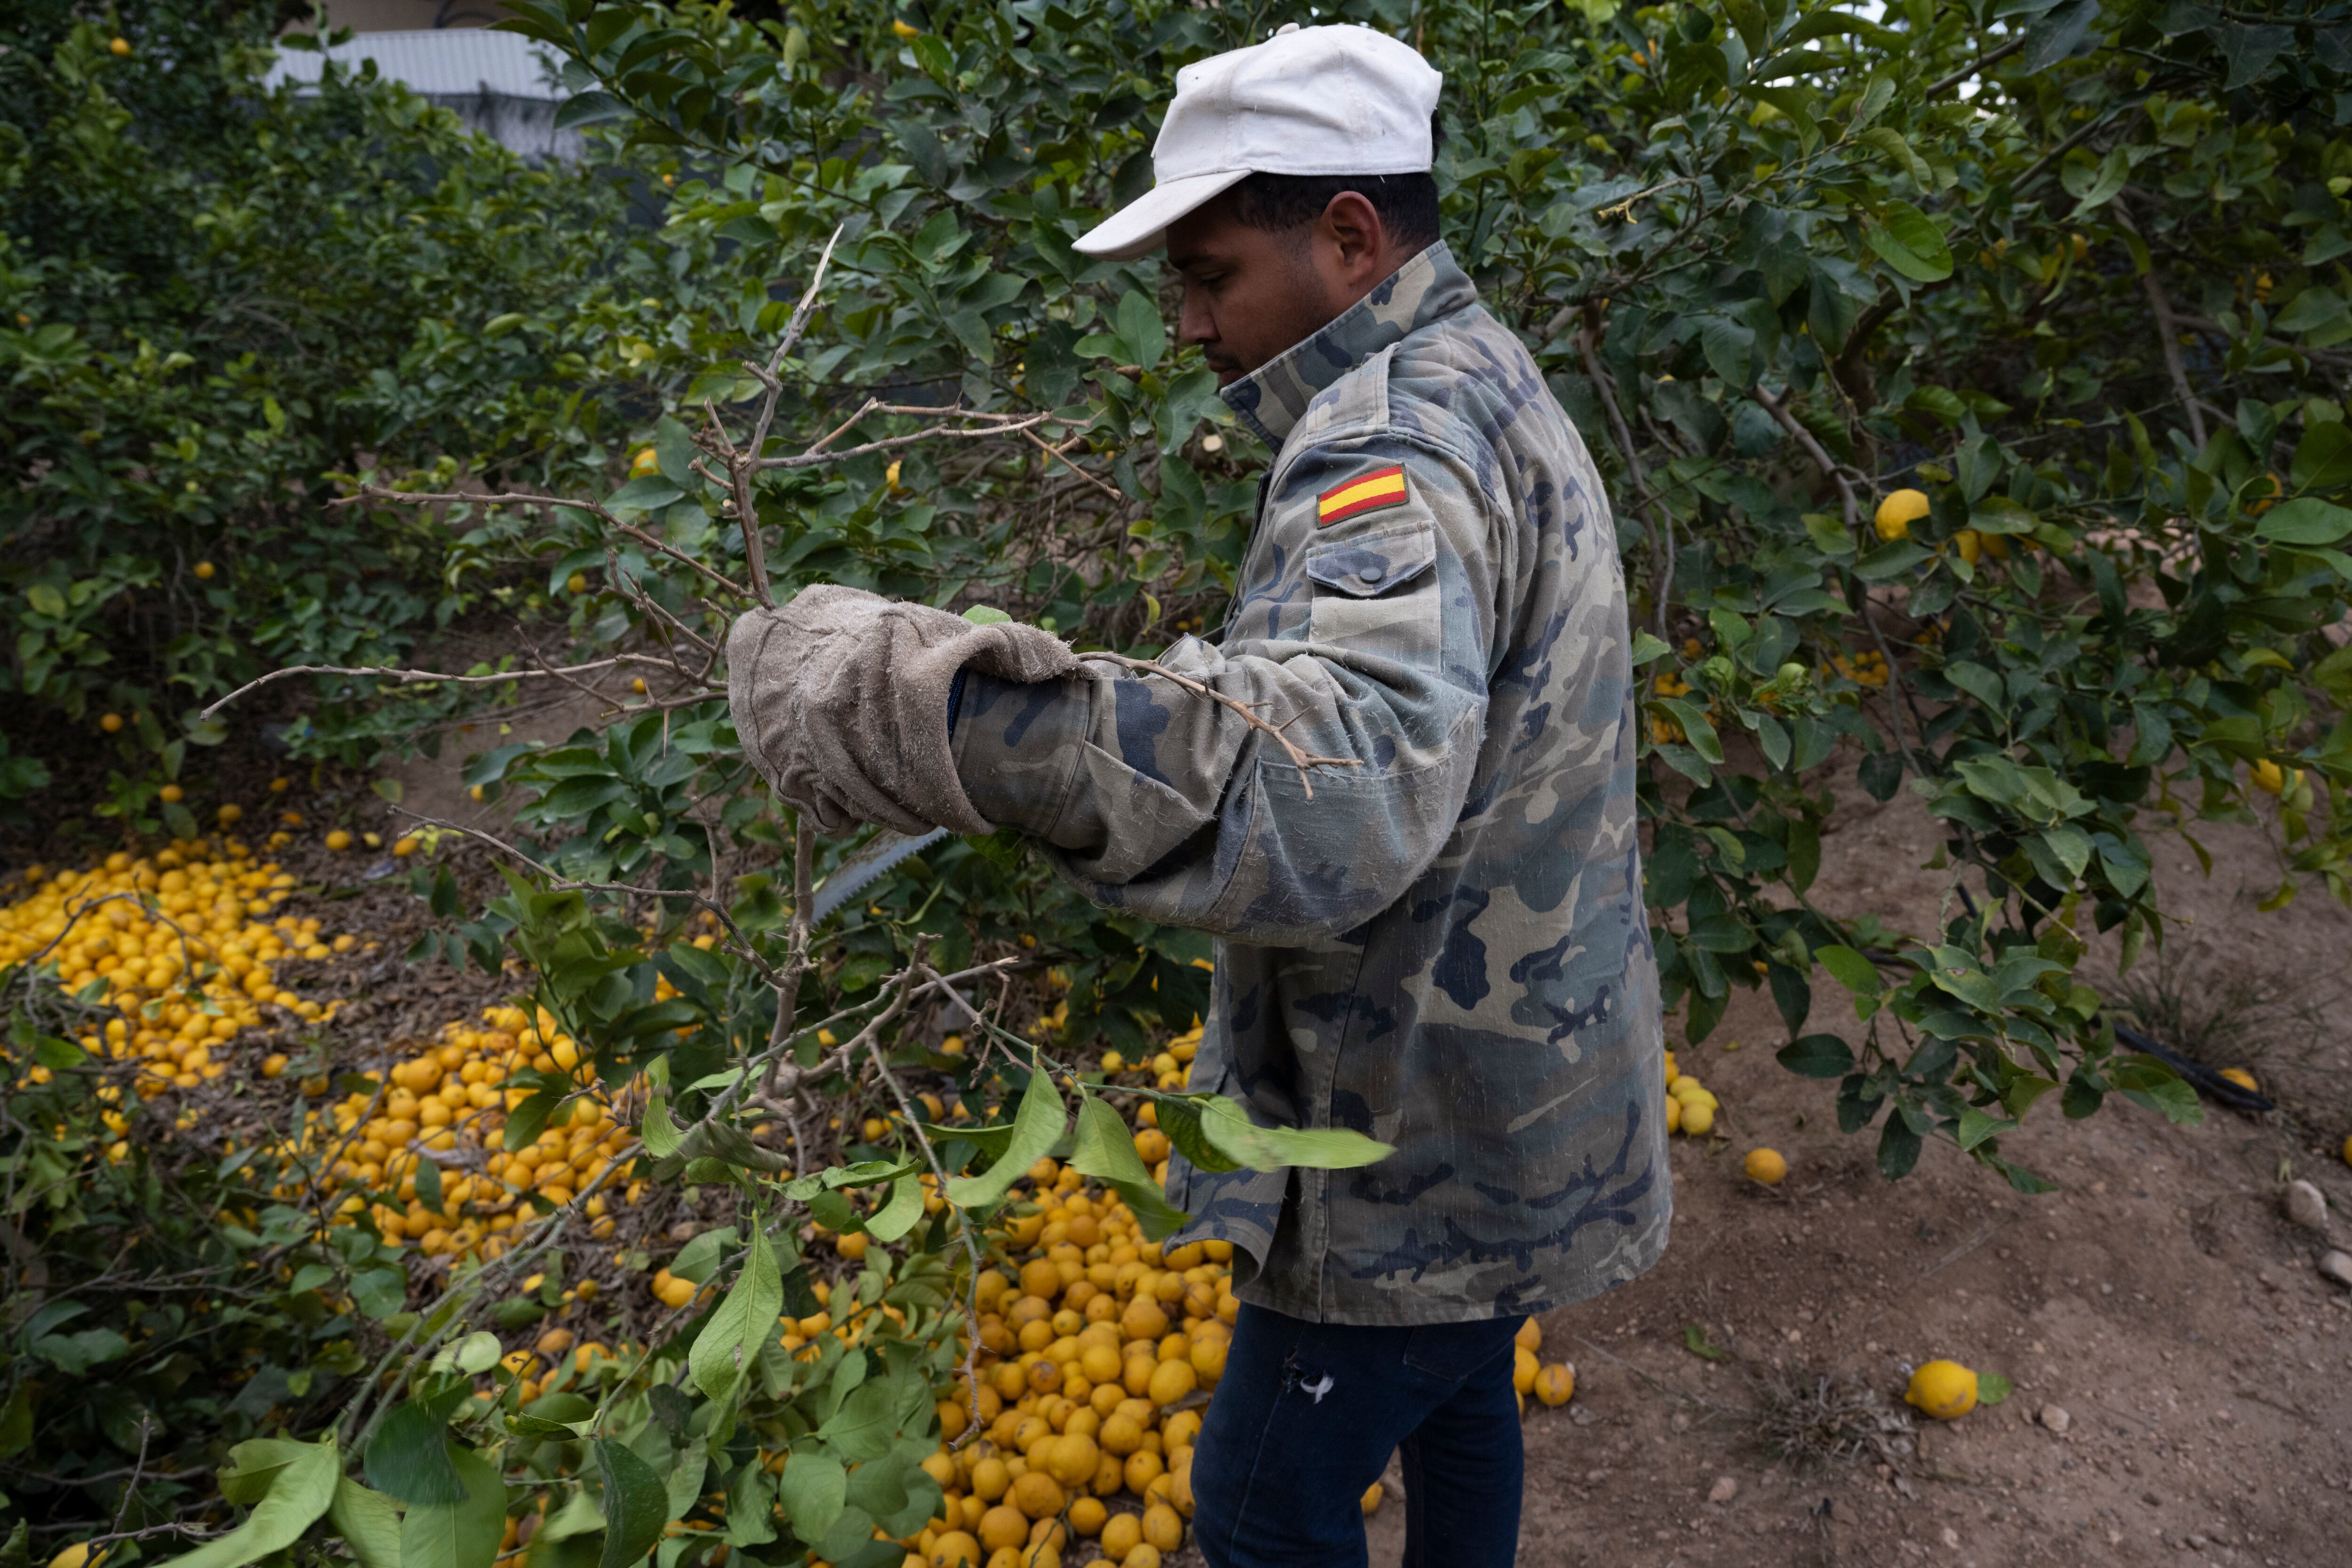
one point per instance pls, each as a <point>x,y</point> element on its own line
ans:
<point>1376,593</point>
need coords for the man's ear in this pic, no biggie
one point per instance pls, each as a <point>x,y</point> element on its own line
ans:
<point>1350,226</point>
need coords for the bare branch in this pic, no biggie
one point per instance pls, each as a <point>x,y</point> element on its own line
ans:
<point>741,460</point>
<point>1662,553</point>
<point>1300,758</point>
<point>414,677</point>
<point>1812,449</point>
<point>890,443</point>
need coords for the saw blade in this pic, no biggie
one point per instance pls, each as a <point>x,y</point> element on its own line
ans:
<point>853,875</point>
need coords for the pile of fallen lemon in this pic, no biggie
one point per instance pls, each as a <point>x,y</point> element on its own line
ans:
<point>178,945</point>
<point>1690,1104</point>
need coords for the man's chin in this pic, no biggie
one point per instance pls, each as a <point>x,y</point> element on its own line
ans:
<point>1228,374</point>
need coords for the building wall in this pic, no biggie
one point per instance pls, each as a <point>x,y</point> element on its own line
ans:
<point>404,15</point>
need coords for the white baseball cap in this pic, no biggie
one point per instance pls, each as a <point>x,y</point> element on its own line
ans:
<point>1308,100</point>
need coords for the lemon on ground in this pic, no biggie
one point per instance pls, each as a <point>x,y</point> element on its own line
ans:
<point>2242,1078</point>
<point>1556,1384</point>
<point>111,722</point>
<point>1765,1165</point>
<point>1898,512</point>
<point>1121,1534</point>
<point>1003,1526</point>
<point>1524,1367</point>
<point>1943,1389</point>
<point>170,794</point>
<point>1530,1336</point>
<point>1162,1528</point>
<point>1674,1115</point>
<point>205,570</point>
<point>1087,1516</point>
<point>956,1549</point>
<point>1370,1502</point>
<point>1699,1119</point>
<point>339,840</point>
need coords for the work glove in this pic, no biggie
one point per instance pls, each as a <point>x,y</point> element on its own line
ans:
<point>841,699</point>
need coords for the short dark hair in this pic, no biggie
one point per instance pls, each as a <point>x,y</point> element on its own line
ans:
<point>1407,203</point>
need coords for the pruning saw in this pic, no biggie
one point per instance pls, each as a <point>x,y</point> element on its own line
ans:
<point>878,854</point>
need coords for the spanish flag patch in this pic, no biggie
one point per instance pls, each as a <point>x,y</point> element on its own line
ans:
<point>1382,487</point>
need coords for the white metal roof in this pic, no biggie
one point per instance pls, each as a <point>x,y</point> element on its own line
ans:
<point>443,63</point>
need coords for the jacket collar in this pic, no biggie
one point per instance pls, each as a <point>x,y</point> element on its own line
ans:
<point>1271,399</point>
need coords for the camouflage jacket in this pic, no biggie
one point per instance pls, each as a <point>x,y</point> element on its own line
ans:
<point>1445,947</point>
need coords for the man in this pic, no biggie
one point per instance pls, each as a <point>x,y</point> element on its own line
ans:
<point>1438,938</point>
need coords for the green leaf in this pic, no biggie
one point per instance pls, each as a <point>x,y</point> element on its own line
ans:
<point>1648,649</point>
<point>897,1216</point>
<point>731,1338</point>
<point>1817,1056</point>
<point>1038,1126</point>
<point>2305,521</point>
<point>1908,240</point>
<point>1850,969</point>
<point>1105,1151</point>
<point>408,1457</point>
<point>368,1522</point>
<point>1140,326</point>
<point>299,1491</point>
<point>2323,459</point>
<point>660,1133</point>
<point>637,1504</point>
<point>1180,1118</point>
<point>1992,1388</point>
<point>811,1491</point>
<point>1228,1127</point>
<point>1694,1341</point>
<point>1976,1127</point>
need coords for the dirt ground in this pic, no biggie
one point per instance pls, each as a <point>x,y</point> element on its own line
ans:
<point>2159,1300</point>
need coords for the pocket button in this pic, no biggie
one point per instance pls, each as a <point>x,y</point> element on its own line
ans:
<point>1371,573</point>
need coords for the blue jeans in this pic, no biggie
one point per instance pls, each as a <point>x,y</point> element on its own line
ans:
<point>1304,1420</point>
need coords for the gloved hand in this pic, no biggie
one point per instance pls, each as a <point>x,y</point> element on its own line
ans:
<point>841,699</point>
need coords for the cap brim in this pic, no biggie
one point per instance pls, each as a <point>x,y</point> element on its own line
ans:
<point>1142,227</point>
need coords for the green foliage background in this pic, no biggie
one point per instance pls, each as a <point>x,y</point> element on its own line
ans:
<point>2074,270</point>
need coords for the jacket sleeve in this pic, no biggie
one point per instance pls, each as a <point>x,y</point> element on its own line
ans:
<point>1364,626</point>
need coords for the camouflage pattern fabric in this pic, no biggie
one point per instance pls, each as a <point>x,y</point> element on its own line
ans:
<point>1445,947</point>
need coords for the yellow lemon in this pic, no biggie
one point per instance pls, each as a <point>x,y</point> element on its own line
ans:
<point>339,840</point>
<point>1699,1119</point>
<point>1530,1336</point>
<point>1162,1528</point>
<point>906,29</point>
<point>1970,544</point>
<point>1556,1384</point>
<point>956,1549</point>
<point>2242,1078</point>
<point>1524,1367</point>
<point>1765,1165</point>
<point>170,794</point>
<point>1943,1389</point>
<point>111,723</point>
<point>576,584</point>
<point>1897,513</point>
<point>1370,1502</point>
<point>1674,1115</point>
<point>647,461</point>
<point>1038,1495</point>
<point>117,47</point>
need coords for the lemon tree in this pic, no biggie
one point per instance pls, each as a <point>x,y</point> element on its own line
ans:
<point>1969,382</point>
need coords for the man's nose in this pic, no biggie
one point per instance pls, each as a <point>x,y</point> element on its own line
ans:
<point>1194,325</point>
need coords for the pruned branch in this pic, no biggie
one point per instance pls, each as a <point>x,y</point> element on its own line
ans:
<point>427,677</point>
